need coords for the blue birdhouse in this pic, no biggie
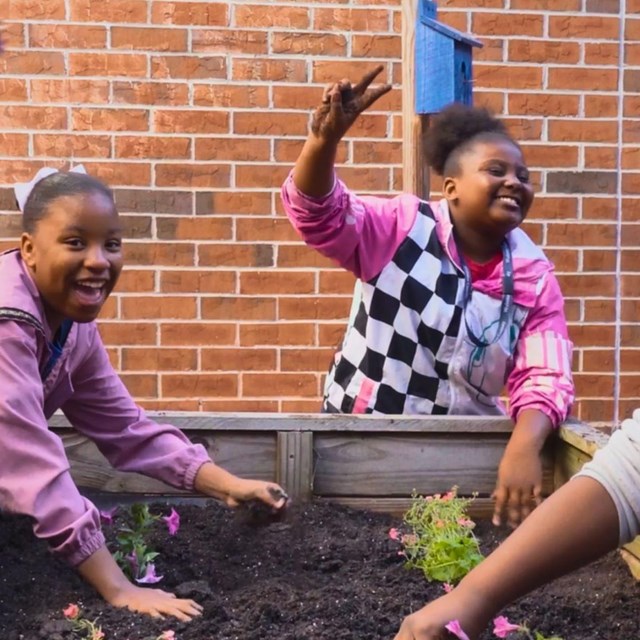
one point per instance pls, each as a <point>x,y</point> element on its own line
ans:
<point>443,72</point>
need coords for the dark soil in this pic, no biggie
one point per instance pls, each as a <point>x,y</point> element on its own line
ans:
<point>325,572</point>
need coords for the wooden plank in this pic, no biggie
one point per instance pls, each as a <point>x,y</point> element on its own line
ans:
<point>568,461</point>
<point>583,436</point>
<point>201,421</point>
<point>295,463</point>
<point>249,455</point>
<point>395,465</point>
<point>480,508</point>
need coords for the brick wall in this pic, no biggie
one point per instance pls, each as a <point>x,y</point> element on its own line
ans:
<point>194,112</point>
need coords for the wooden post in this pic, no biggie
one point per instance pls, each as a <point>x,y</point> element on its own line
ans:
<point>294,465</point>
<point>415,173</point>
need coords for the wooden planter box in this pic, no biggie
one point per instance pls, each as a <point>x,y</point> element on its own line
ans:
<point>362,461</point>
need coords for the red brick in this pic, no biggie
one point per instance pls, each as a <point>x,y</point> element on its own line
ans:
<point>67,36</point>
<point>170,405</point>
<point>631,158</point>
<point>376,20</point>
<point>197,385</point>
<point>149,39</point>
<point>23,117</point>
<point>313,308</point>
<point>583,130</point>
<point>599,310</point>
<point>601,157</point>
<point>377,152</point>
<point>317,44</point>
<point>547,5</point>
<point>632,54</point>
<point>220,95</point>
<point>492,50</point>
<point>507,23</point>
<point>109,10</point>
<point>72,146</point>
<point>270,123</point>
<point>141,385</point>
<point>34,10</point>
<point>507,77</point>
<point>263,16</point>
<point>599,208</point>
<point>631,183</point>
<point>191,334</point>
<point>261,175</point>
<point>548,104</point>
<point>544,52</point>
<point>548,156</point>
<point>631,131</point>
<point>305,406</point>
<point>274,282</point>
<point>584,79</point>
<point>336,282</point>
<point>330,334</point>
<point>305,97</point>
<point>230,307</point>
<point>190,13</point>
<point>229,41</point>
<point>280,334</point>
<point>365,179</point>
<point>465,4</point>
<point>565,260</point>
<point>188,67</point>
<point>269,69</point>
<point>87,119</point>
<point>136,281</point>
<point>67,90</point>
<point>288,150</point>
<point>197,281</point>
<point>376,46</point>
<point>235,255</point>
<point>234,202</point>
<point>24,63</point>
<point>159,359</point>
<point>120,173</point>
<point>158,307</point>
<point>600,106</point>
<point>151,93</point>
<point>15,35</point>
<point>239,406</point>
<point>160,254</point>
<point>198,175</point>
<point>591,27</point>
<point>591,335</point>
<point>239,359</point>
<point>13,90</point>
<point>190,121</point>
<point>14,144</point>
<point>306,359</point>
<point>554,207</point>
<point>265,229</point>
<point>326,71</point>
<point>145,147</point>
<point>301,256</point>
<point>587,285</point>
<point>604,261</point>
<point>233,149</point>
<point>280,384</point>
<point>191,228</point>
<point>128,333</point>
<point>601,53</point>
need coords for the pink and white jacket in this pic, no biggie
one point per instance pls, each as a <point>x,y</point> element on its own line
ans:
<point>34,470</point>
<point>406,347</point>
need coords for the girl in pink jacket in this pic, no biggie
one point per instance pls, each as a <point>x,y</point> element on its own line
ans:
<point>455,300</point>
<point>51,357</point>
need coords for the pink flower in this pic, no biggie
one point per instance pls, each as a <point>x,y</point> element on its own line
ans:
<point>173,522</point>
<point>132,559</point>
<point>107,516</point>
<point>394,534</point>
<point>448,588</point>
<point>439,524</point>
<point>450,495</point>
<point>502,627</point>
<point>167,635</point>
<point>466,522</point>
<point>455,628</point>
<point>97,634</point>
<point>71,612</point>
<point>150,576</point>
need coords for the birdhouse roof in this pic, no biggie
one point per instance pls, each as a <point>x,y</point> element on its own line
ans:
<point>450,32</point>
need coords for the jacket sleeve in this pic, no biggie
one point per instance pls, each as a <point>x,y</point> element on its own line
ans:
<point>361,234</point>
<point>541,378</point>
<point>102,409</point>
<point>34,471</point>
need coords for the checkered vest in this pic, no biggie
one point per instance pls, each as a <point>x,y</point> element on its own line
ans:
<point>406,350</point>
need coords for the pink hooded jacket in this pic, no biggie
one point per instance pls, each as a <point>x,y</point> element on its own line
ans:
<point>34,470</point>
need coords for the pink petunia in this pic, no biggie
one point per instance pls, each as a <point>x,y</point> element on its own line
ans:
<point>455,628</point>
<point>173,522</point>
<point>71,612</point>
<point>167,635</point>
<point>394,534</point>
<point>448,588</point>
<point>466,522</point>
<point>107,516</point>
<point>502,627</point>
<point>150,576</point>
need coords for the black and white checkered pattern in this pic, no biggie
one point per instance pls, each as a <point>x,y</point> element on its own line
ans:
<point>405,331</point>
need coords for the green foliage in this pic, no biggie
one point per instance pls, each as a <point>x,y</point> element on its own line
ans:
<point>133,554</point>
<point>441,543</point>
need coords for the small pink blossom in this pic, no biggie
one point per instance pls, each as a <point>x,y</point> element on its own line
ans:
<point>71,612</point>
<point>173,522</point>
<point>409,538</point>
<point>150,576</point>
<point>448,588</point>
<point>401,553</point>
<point>107,516</point>
<point>436,496</point>
<point>97,634</point>
<point>439,524</point>
<point>450,495</point>
<point>429,498</point>
<point>455,628</point>
<point>394,534</point>
<point>132,559</point>
<point>466,522</point>
<point>502,627</point>
<point>167,635</point>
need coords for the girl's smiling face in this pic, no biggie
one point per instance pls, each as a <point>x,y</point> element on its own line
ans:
<point>492,193</point>
<point>75,256</point>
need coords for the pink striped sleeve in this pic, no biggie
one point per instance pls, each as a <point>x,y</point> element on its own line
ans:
<point>541,378</point>
<point>360,233</point>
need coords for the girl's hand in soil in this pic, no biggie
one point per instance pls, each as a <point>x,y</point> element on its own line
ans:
<point>155,602</point>
<point>342,104</point>
<point>429,622</point>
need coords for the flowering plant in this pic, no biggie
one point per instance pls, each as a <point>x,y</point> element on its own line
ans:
<point>88,628</point>
<point>441,542</point>
<point>502,628</point>
<point>133,554</point>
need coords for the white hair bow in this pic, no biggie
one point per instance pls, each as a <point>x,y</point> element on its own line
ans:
<point>23,189</point>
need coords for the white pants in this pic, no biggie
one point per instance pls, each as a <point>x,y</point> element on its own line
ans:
<point>617,468</point>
